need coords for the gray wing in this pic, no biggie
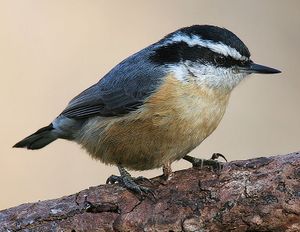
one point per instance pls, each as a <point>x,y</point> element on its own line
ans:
<point>120,91</point>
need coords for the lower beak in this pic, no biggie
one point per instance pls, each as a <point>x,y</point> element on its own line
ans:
<point>257,68</point>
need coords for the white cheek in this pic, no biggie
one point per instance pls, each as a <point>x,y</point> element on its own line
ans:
<point>207,75</point>
<point>179,71</point>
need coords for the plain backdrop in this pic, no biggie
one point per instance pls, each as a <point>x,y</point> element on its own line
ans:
<point>52,50</point>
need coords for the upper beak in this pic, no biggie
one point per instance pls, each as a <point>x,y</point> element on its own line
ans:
<point>257,68</point>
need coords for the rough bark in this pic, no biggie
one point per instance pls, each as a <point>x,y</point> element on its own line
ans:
<point>260,194</point>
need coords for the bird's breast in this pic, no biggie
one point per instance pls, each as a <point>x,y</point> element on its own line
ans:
<point>190,111</point>
<point>171,122</point>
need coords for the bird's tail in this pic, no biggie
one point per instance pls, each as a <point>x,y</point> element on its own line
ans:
<point>39,139</point>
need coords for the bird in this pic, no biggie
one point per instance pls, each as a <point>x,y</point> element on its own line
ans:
<point>157,105</point>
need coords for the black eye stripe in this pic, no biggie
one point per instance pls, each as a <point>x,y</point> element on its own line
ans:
<point>181,51</point>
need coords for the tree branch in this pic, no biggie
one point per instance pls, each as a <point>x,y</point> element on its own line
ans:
<point>260,194</point>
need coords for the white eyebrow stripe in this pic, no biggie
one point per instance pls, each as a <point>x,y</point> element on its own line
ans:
<point>217,47</point>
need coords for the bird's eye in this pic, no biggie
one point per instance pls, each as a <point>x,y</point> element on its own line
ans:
<point>220,59</point>
<point>243,62</point>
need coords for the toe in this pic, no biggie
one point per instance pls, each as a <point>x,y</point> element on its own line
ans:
<point>131,185</point>
<point>148,191</point>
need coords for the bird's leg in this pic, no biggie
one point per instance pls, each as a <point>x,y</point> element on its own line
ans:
<point>167,171</point>
<point>129,182</point>
<point>212,162</point>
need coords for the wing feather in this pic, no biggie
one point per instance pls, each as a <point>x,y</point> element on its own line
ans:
<point>119,92</point>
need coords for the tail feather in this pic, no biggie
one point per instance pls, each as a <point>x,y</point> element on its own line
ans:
<point>39,139</point>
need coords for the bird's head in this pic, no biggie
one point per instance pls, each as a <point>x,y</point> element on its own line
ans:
<point>213,56</point>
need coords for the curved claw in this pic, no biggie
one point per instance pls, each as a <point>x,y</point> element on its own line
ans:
<point>217,155</point>
<point>146,190</point>
<point>113,179</point>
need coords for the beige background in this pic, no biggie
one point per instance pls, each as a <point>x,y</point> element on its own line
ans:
<point>52,50</point>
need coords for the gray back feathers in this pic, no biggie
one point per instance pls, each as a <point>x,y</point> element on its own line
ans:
<point>121,90</point>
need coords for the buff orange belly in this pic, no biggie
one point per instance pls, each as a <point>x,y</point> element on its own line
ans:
<point>172,122</point>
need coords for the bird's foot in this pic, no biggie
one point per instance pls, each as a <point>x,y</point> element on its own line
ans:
<point>129,182</point>
<point>212,162</point>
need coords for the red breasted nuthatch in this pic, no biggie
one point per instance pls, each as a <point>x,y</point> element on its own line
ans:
<point>157,105</point>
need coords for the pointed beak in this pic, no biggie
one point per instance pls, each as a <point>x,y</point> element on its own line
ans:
<point>257,68</point>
